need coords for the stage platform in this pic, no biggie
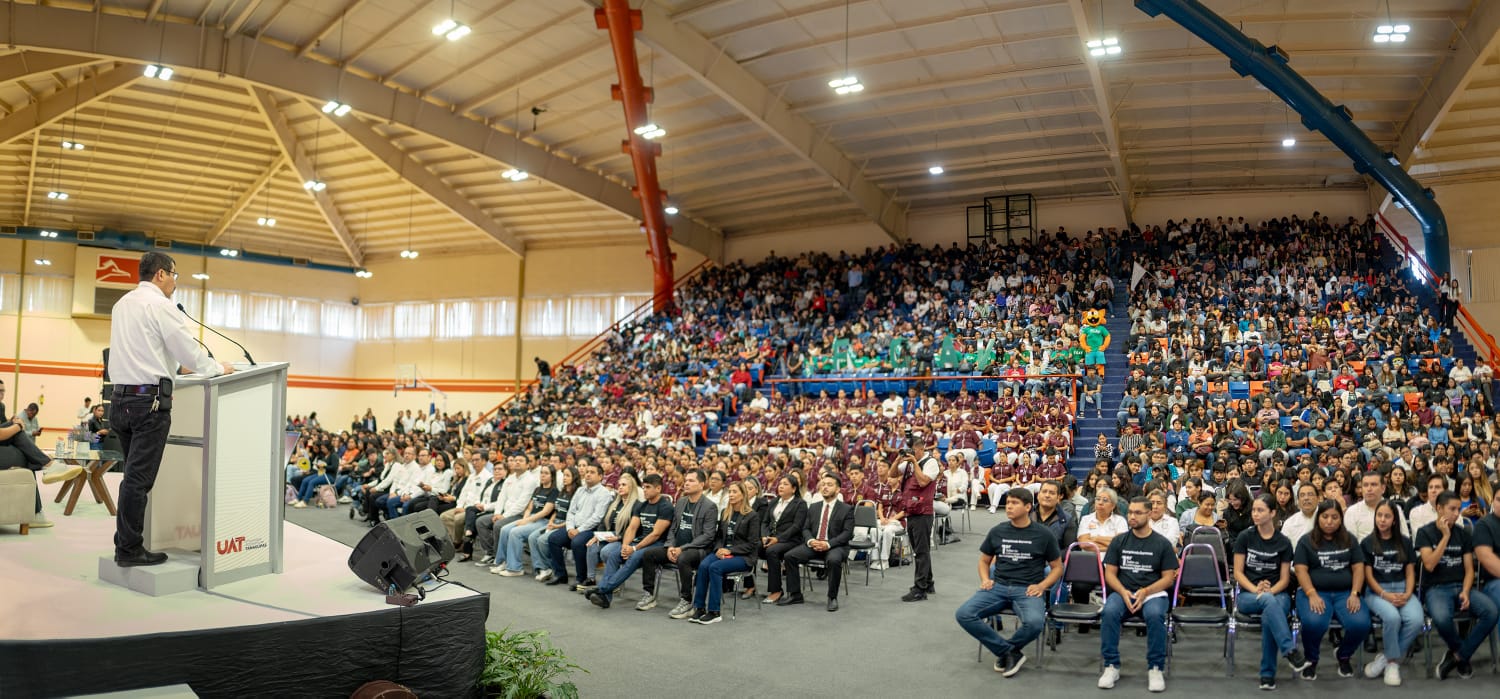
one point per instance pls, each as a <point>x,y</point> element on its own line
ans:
<point>313,631</point>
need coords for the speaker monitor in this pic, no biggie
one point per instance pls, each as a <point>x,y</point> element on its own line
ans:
<point>402,551</point>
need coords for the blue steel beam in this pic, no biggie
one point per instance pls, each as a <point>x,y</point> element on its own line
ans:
<point>1270,66</point>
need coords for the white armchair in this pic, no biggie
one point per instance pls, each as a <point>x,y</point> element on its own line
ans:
<point>17,497</point>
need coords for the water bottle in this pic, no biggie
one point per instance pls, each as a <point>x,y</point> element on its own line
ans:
<point>58,450</point>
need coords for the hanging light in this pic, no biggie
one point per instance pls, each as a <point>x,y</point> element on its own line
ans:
<point>60,196</point>
<point>671,210</point>
<point>1390,32</point>
<point>42,261</point>
<point>935,170</point>
<point>650,131</point>
<point>848,84</point>
<point>48,234</point>
<point>410,254</point>
<point>515,175</point>
<point>1107,46</point>
<point>201,276</point>
<point>336,108</point>
<point>451,29</point>
<point>363,273</point>
<point>1288,142</point>
<point>72,145</point>
<point>266,221</point>
<point>160,72</point>
<point>314,185</point>
<point>229,252</point>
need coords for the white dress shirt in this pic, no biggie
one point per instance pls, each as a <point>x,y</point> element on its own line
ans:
<point>1167,526</point>
<point>515,494</point>
<point>1359,519</point>
<point>396,476</point>
<point>1297,526</point>
<point>440,481</point>
<point>472,488</point>
<point>411,485</point>
<point>148,338</point>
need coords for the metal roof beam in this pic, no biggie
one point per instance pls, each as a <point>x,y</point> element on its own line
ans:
<point>243,202</point>
<point>1104,104</point>
<point>291,149</point>
<point>260,63</point>
<point>408,169</point>
<point>707,62</point>
<point>57,105</point>
<point>1478,40</point>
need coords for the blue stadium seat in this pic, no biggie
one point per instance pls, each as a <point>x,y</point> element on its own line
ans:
<point>1239,389</point>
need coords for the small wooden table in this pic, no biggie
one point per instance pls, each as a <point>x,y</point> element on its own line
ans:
<point>95,464</point>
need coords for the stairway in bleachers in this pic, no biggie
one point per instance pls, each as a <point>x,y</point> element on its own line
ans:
<point>1427,298</point>
<point>1116,363</point>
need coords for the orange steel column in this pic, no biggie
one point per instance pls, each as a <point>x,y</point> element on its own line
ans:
<point>622,23</point>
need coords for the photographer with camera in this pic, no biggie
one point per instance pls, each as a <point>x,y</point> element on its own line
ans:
<point>919,472</point>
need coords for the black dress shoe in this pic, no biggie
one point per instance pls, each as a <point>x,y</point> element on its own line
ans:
<point>914,596</point>
<point>787,601</point>
<point>140,558</point>
<point>558,581</point>
<point>833,604</point>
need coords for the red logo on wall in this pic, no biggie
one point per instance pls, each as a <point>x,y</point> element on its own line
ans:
<point>227,546</point>
<point>113,269</point>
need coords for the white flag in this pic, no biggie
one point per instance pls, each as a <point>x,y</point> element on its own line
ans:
<point>1136,275</point>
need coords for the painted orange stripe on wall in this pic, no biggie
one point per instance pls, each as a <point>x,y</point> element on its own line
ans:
<point>293,380</point>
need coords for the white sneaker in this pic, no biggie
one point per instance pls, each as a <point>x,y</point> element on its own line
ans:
<point>59,471</point>
<point>496,570</point>
<point>508,573</point>
<point>544,576</point>
<point>299,505</point>
<point>647,602</point>
<point>345,500</point>
<point>1392,675</point>
<point>992,510</point>
<point>39,520</point>
<point>1156,680</point>
<point>1376,666</point>
<point>1110,677</point>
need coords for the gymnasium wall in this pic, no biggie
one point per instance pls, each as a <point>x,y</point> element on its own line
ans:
<point>59,354</point>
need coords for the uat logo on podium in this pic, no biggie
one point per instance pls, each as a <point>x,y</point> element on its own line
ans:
<point>115,269</point>
<point>228,546</point>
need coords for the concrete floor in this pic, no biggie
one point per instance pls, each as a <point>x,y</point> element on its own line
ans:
<point>875,645</point>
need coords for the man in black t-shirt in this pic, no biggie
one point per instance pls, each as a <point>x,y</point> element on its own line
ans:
<point>1487,550</point>
<point>649,521</point>
<point>1139,569</point>
<point>1447,552</point>
<point>1013,562</point>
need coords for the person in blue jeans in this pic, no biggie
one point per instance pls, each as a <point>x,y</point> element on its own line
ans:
<point>1139,569</point>
<point>1390,586</point>
<point>571,482</point>
<point>1487,549</point>
<point>1330,569</point>
<point>1447,552</point>
<point>739,541</point>
<point>649,521</point>
<point>1263,572</point>
<point>1014,562</point>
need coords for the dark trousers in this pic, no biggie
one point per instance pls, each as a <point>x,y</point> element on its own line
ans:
<point>833,562</point>
<point>774,555</point>
<point>36,459</point>
<point>558,542</point>
<point>372,510</point>
<point>919,530</point>
<point>687,568</point>
<point>143,438</point>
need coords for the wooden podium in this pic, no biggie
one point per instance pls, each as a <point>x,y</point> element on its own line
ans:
<point>220,490</point>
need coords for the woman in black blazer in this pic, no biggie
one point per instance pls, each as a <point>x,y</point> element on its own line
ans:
<point>781,530</point>
<point>739,539</point>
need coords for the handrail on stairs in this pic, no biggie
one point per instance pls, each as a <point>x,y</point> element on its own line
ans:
<point>1469,326</point>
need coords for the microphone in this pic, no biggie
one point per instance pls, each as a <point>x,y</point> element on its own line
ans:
<point>231,340</point>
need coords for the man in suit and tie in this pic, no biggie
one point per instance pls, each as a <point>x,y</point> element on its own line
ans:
<point>830,527</point>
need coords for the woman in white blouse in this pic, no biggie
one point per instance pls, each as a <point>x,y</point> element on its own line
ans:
<point>1103,524</point>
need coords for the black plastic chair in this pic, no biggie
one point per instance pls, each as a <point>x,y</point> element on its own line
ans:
<point>1200,575</point>
<point>865,517</point>
<point>1082,564</point>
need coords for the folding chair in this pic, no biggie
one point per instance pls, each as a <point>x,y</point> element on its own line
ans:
<point>733,580</point>
<point>1201,575</point>
<point>865,517</point>
<point>1083,564</point>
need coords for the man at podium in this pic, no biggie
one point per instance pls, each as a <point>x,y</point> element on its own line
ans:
<point>148,340</point>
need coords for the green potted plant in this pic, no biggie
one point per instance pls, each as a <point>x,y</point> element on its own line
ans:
<point>525,665</point>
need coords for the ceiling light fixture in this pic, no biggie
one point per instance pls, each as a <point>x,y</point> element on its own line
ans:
<point>266,221</point>
<point>1288,142</point>
<point>451,28</point>
<point>671,210</point>
<point>48,234</point>
<point>72,145</point>
<point>60,196</point>
<point>1390,32</point>
<point>410,253</point>
<point>160,72</point>
<point>515,175</point>
<point>336,108</point>
<point>229,252</point>
<point>935,170</point>
<point>42,261</point>
<point>848,84</point>
<point>200,276</point>
<point>650,131</point>
<point>314,185</point>
<point>363,273</point>
<point>1108,46</point>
